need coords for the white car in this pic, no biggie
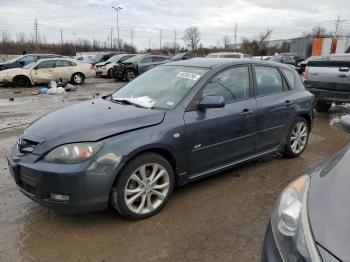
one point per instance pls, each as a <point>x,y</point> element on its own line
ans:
<point>45,70</point>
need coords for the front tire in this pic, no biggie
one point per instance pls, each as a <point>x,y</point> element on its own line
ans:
<point>21,81</point>
<point>78,78</point>
<point>110,73</point>
<point>143,187</point>
<point>298,137</point>
<point>129,75</point>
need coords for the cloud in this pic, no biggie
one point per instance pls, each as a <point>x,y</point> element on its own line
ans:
<point>93,19</point>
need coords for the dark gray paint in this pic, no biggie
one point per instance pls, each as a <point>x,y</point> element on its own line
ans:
<point>196,142</point>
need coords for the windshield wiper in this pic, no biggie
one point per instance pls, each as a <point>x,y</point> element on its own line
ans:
<point>128,102</point>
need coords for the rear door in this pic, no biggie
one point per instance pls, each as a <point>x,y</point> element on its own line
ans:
<point>43,72</point>
<point>218,136</point>
<point>275,108</point>
<point>63,69</point>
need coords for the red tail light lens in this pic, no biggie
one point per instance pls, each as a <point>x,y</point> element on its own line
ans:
<point>306,74</point>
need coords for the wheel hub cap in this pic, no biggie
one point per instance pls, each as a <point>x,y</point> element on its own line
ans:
<point>147,188</point>
<point>299,137</point>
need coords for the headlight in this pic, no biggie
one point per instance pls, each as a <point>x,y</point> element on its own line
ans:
<point>5,75</point>
<point>72,153</point>
<point>290,223</point>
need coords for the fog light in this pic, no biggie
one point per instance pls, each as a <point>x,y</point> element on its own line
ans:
<point>59,197</point>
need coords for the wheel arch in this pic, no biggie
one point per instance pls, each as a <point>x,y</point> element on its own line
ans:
<point>307,117</point>
<point>24,76</point>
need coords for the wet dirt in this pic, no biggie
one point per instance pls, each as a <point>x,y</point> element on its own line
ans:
<point>221,218</point>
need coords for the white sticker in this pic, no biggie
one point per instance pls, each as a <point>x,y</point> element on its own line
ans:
<point>187,75</point>
<point>169,103</point>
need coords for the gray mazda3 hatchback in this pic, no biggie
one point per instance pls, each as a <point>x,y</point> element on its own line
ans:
<point>176,123</point>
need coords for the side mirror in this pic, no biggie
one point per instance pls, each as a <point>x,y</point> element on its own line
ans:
<point>211,102</point>
<point>345,123</point>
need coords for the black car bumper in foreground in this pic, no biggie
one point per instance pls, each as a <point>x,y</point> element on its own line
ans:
<point>270,252</point>
<point>65,188</point>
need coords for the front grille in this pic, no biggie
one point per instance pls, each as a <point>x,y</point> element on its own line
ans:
<point>26,187</point>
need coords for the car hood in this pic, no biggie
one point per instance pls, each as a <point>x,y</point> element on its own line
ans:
<point>16,71</point>
<point>328,205</point>
<point>88,121</point>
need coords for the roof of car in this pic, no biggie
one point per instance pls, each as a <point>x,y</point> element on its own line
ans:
<point>213,62</point>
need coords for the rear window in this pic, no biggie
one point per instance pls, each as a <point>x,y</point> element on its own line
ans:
<point>290,75</point>
<point>269,80</point>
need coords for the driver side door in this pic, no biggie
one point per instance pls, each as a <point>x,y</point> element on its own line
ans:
<point>43,72</point>
<point>219,136</point>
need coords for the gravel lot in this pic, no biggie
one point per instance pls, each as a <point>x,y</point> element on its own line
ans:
<point>222,218</point>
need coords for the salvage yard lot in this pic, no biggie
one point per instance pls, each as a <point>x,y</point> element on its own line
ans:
<point>222,218</point>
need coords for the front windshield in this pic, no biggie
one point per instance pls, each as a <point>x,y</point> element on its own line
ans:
<point>114,58</point>
<point>13,59</point>
<point>178,56</point>
<point>162,87</point>
<point>30,65</point>
<point>133,59</point>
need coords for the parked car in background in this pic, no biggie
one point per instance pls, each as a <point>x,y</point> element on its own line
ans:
<point>183,56</point>
<point>108,68</point>
<point>23,60</point>
<point>103,57</point>
<point>310,220</point>
<point>139,64</point>
<point>45,70</point>
<point>85,59</point>
<point>176,123</point>
<point>302,65</point>
<point>225,55</point>
<point>287,58</point>
<point>329,81</point>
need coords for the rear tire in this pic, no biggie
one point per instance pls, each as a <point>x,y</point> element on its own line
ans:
<point>21,81</point>
<point>322,107</point>
<point>78,78</point>
<point>143,187</point>
<point>297,139</point>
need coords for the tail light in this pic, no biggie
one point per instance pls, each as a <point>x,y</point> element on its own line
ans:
<point>306,74</point>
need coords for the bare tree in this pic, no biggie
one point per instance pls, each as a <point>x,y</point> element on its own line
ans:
<point>262,38</point>
<point>226,41</point>
<point>21,38</point>
<point>318,31</point>
<point>192,37</point>
<point>5,36</point>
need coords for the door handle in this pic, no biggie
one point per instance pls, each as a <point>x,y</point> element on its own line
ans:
<point>342,75</point>
<point>246,112</point>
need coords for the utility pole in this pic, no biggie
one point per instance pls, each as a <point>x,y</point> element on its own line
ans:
<point>160,39</point>
<point>149,44</point>
<point>338,24</point>
<point>75,42</point>
<point>234,49</point>
<point>175,44</point>
<point>61,37</point>
<point>118,8</point>
<point>132,37</point>
<point>36,33</point>
<point>112,37</point>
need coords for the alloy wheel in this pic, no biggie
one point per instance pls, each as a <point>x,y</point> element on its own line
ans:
<point>147,188</point>
<point>299,137</point>
<point>78,78</point>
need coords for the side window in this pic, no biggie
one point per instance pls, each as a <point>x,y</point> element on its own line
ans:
<point>27,59</point>
<point>232,84</point>
<point>46,64</point>
<point>268,80</point>
<point>290,75</point>
<point>124,58</point>
<point>62,63</point>
<point>158,59</point>
<point>147,59</point>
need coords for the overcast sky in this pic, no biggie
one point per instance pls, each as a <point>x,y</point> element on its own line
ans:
<point>93,19</point>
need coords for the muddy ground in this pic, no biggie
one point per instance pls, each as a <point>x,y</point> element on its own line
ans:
<point>222,218</point>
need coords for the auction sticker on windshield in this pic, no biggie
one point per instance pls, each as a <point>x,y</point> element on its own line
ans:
<point>187,75</point>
